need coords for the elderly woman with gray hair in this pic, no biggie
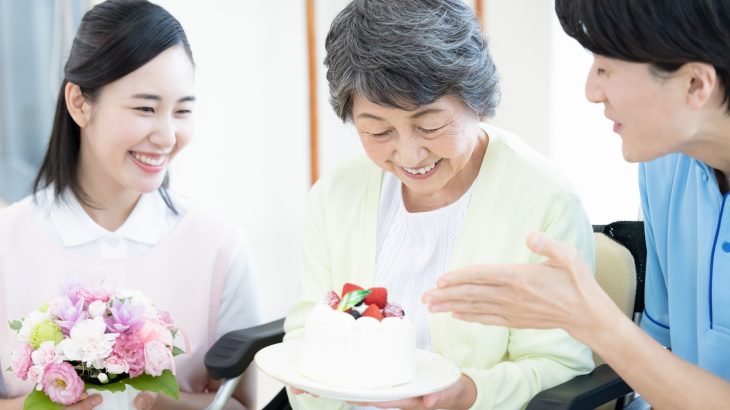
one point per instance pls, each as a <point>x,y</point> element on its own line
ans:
<point>438,190</point>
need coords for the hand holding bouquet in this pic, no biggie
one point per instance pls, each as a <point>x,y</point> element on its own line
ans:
<point>95,338</point>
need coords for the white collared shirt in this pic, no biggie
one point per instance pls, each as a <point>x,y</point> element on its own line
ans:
<point>151,220</point>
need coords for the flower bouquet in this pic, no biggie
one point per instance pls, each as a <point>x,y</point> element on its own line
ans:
<point>97,340</point>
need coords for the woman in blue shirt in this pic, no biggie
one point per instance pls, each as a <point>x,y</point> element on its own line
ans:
<point>662,72</point>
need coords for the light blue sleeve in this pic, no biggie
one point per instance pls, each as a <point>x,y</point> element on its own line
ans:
<point>655,320</point>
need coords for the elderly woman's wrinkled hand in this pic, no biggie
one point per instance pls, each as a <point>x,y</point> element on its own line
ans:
<point>460,395</point>
<point>559,293</point>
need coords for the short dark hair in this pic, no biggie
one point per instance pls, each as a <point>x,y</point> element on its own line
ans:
<point>664,33</point>
<point>114,39</point>
<point>409,52</point>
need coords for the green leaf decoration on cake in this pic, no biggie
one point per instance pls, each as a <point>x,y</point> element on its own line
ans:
<point>352,298</point>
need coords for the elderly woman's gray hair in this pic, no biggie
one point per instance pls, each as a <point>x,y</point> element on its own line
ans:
<point>408,53</point>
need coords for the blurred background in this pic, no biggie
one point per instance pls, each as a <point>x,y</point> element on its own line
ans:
<point>264,127</point>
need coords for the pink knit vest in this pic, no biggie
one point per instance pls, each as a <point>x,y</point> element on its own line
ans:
<point>183,274</point>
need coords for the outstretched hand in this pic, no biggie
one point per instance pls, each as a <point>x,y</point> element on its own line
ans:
<point>558,293</point>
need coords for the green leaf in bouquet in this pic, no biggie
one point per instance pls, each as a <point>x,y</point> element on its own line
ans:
<point>177,351</point>
<point>352,298</point>
<point>165,384</point>
<point>37,400</point>
<point>114,387</point>
<point>15,325</point>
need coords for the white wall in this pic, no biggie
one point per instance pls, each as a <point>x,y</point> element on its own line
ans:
<point>248,159</point>
<point>543,73</point>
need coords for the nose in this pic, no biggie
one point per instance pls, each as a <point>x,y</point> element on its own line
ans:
<point>594,91</point>
<point>165,134</point>
<point>410,151</point>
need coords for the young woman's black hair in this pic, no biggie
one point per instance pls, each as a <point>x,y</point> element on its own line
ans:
<point>664,33</point>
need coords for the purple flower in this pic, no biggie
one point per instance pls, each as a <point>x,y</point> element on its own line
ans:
<point>129,348</point>
<point>71,289</point>
<point>68,313</point>
<point>126,317</point>
<point>62,384</point>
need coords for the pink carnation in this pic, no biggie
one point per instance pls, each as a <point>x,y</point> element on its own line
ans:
<point>129,348</point>
<point>35,375</point>
<point>116,365</point>
<point>62,384</point>
<point>22,361</point>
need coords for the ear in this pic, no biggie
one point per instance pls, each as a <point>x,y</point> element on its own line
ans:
<point>76,104</point>
<point>703,82</point>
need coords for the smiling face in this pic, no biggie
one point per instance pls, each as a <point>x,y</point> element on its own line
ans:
<point>649,113</point>
<point>435,149</point>
<point>137,125</point>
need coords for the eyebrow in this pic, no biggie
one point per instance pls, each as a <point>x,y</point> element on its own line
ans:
<point>415,115</point>
<point>158,98</point>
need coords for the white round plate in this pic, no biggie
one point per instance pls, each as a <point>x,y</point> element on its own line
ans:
<point>433,373</point>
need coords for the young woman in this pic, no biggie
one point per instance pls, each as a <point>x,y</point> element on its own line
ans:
<point>101,208</point>
<point>662,72</point>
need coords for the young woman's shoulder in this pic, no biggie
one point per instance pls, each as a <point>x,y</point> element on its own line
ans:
<point>11,213</point>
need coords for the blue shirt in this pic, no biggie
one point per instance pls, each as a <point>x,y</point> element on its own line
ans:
<point>687,298</point>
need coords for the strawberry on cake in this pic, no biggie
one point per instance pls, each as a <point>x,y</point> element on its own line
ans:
<point>358,340</point>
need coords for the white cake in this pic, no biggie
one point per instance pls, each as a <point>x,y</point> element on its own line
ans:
<point>366,353</point>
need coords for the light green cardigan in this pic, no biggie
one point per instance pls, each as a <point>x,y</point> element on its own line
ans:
<point>516,191</point>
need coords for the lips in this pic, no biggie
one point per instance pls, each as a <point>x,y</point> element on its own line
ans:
<point>153,160</point>
<point>421,170</point>
<point>150,162</point>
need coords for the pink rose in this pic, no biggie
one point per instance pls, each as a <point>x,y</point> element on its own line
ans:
<point>62,384</point>
<point>93,293</point>
<point>116,365</point>
<point>129,348</point>
<point>21,361</point>
<point>155,330</point>
<point>157,358</point>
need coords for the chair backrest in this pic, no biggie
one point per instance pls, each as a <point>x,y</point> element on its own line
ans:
<point>620,265</point>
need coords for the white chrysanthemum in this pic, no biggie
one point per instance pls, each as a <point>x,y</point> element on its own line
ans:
<point>97,308</point>
<point>30,322</point>
<point>88,343</point>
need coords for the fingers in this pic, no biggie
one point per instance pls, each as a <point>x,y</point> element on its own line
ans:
<point>462,293</point>
<point>477,274</point>
<point>559,254</point>
<point>300,391</point>
<point>144,401</point>
<point>484,307</point>
<point>412,403</point>
<point>486,319</point>
<point>87,402</point>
